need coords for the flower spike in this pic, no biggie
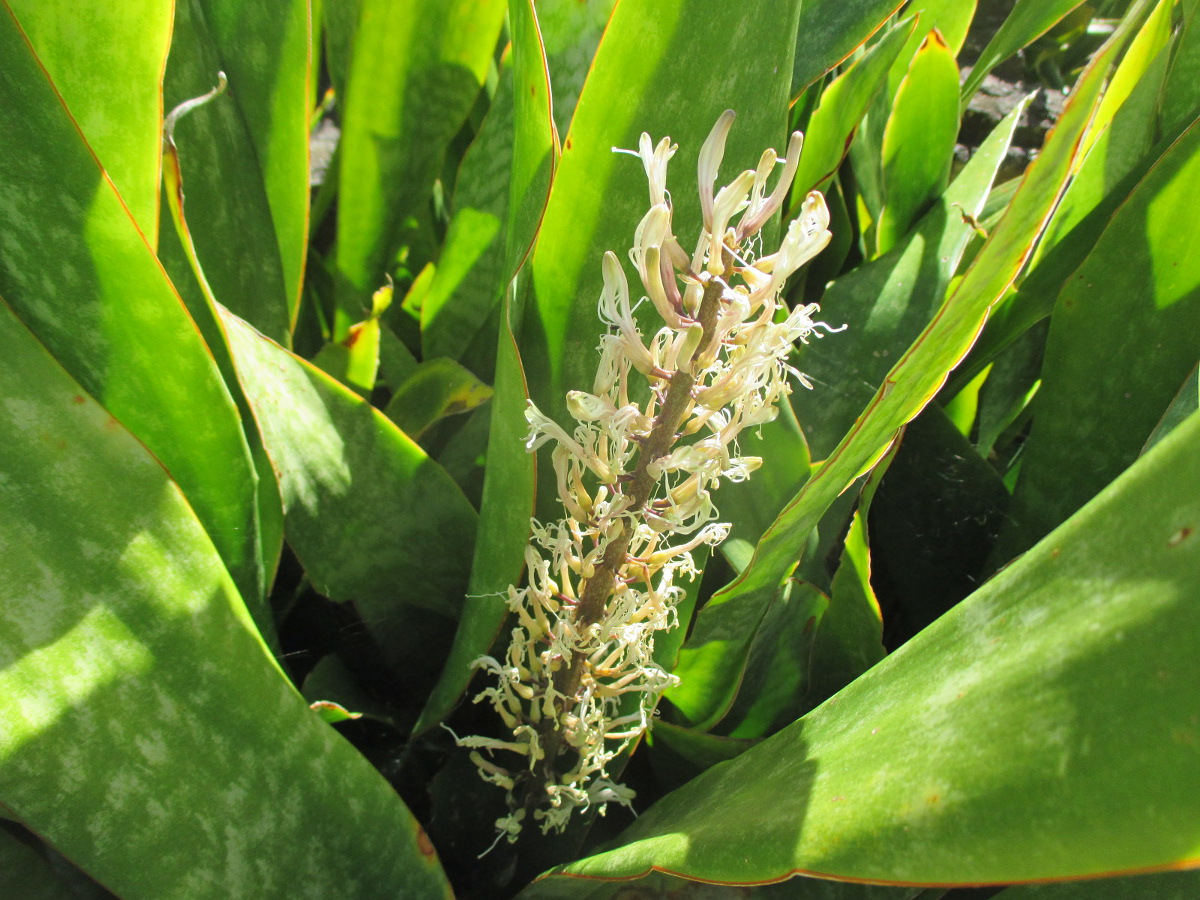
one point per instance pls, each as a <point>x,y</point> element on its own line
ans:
<point>578,683</point>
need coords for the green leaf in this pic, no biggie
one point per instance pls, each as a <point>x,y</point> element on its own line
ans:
<point>842,106</point>
<point>679,754</point>
<point>1144,50</point>
<point>1116,144</point>
<point>918,140</point>
<point>228,210</point>
<point>849,637</point>
<point>1185,403</point>
<point>355,359</point>
<point>266,50</point>
<point>775,681</point>
<point>414,75</point>
<point>1028,21</point>
<point>470,277</point>
<point>143,713</point>
<point>751,506</point>
<point>508,487</point>
<point>661,885</point>
<point>79,273</point>
<point>1118,157</point>
<point>1122,338</point>
<point>1011,384</point>
<point>887,302</point>
<point>340,18</point>
<point>716,650</point>
<point>438,388</point>
<point>371,517</point>
<point>1182,96</point>
<point>110,84</point>
<point>1043,729</point>
<point>1159,886</point>
<point>951,17</point>
<point>570,31</point>
<point>535,142</point>
<point>829,31</point>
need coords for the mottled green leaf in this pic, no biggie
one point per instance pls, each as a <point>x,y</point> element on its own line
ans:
<point>415,71</point>
<point>110,84</point>
<point>145,720</point>
<point>266,50</point>
<point>79,273</point>
<point>370,516</point>
<point>1122,338</point>
<point>829,31</point>
<point>228,210</point>
<point>571,31</point>
<point>470,277</point>
<point>508,487</point>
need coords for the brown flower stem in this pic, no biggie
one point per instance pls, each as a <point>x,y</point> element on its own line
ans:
<point>600,586</point>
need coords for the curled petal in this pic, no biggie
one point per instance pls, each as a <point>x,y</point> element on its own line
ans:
<point>654,160</point>
<point>730,199</point>
<point>806,236</point>
<point>652,233</point>
<point>709,163</point>
<point>758,214</point>
<point>615,310</point>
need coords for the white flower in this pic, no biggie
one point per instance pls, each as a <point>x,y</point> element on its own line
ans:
<point>636,481</point>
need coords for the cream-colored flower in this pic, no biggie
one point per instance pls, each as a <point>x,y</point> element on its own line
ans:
<point>579,682</point>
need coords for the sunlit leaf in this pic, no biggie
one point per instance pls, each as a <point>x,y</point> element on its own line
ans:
<point>143,713</point>
<point>110,85</point>
<point>92,291</point>
<point>1122,338</point>
<point>1044,728</point>
<point>1029,20</point>
<point>918,141</point>
<point>414,73</point>
<point>372,518</point>
<point>716,650</point>
<point>842,106</point>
